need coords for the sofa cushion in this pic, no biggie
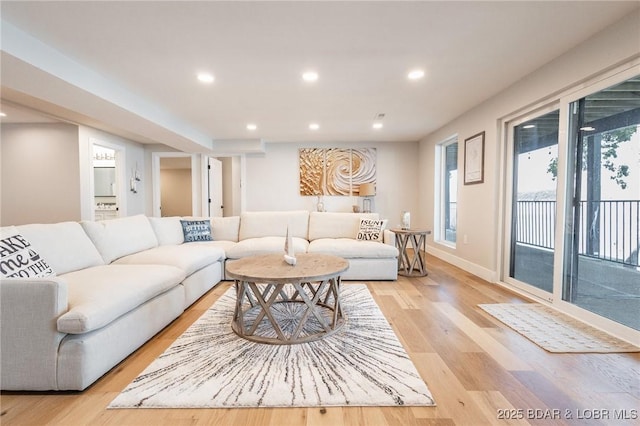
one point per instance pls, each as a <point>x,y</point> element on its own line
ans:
<point>223,245</point>
<point>225,228</point>
<point>119,237</point>
<point>336,225</point>
<point>168,230</point>
<point>18,257</point>
<point>196,230</point>
<point>265,245</point>
<point>274,224</point>
<point>350,248</point>
<point>99,295</point>
<point>64,245</point>
<point>189,257</point>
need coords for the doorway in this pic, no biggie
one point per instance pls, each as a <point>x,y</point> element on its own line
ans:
<point>108,199</point>
<point>214,183</point>
<point>174,177</point>
<point>176,189</point>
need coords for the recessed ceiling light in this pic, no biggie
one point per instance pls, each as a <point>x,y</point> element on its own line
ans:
<point>251,127</point>
<point>314,126</point>
<point>415,75</point>
<point>310,76</point>
<point>205,77</point>
<point>377,126</point>
<point>529,126</point>
<point>2,114</point>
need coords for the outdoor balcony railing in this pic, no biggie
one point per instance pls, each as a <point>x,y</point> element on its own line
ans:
<point>609,230</point>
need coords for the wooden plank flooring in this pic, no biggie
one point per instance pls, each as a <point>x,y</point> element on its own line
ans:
<point>477,369</point>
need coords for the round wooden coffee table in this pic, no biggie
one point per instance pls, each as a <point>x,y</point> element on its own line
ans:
<point>277,303</point>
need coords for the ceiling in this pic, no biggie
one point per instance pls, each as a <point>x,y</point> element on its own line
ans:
<point>130,67</point>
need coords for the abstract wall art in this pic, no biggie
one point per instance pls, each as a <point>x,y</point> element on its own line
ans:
<point>336,171</point>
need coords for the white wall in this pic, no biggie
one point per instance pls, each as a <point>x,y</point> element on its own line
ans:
<point>478,205</point>
<point>39,181</point>
<point>273,180</point>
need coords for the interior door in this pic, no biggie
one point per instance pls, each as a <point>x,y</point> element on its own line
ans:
<point>215,188</point>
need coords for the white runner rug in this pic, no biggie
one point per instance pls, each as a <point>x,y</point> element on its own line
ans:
<point>555,331</point>
<point>209,366</point>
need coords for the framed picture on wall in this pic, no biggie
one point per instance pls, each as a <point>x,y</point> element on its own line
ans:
<point>474,159</point>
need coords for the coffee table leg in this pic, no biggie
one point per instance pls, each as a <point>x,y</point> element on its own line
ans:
<point>311,308</point>
<point>238,317</point>
<point>337,307</point>
<point>266,309</point>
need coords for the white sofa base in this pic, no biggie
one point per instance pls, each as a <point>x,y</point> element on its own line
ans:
<point>30,349</point>
<point>84,358</point>
<point>371,270</point>
<point>200,282</point>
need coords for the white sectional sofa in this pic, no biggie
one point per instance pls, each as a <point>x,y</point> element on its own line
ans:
<point>110,286</point>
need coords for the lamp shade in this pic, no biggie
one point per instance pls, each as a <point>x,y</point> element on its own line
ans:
<point>367,189</point>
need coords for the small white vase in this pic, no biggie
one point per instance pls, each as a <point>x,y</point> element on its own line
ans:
<point>406,220</point>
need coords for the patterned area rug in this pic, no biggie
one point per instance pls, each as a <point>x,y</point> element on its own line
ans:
<point>555,331</point>
<point>209,366</point>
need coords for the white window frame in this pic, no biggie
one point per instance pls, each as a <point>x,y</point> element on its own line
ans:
<point>439,182</point>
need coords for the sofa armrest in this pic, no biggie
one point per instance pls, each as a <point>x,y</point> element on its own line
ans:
<point>389,237</point>
<point>29,309</point>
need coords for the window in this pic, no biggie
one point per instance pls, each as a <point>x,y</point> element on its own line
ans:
<point>447,191</point>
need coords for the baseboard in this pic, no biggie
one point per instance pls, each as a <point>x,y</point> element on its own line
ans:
<point>472,268</point>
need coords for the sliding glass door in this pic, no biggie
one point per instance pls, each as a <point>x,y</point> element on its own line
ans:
<point>532,200</point>
<point>602,231</point>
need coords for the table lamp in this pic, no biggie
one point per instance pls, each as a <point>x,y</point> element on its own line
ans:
<point>367,190</point>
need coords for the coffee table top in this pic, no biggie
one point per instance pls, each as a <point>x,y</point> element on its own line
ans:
<point>272,268</point>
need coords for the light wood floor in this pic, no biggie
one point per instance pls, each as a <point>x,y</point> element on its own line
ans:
<point>477,369</point>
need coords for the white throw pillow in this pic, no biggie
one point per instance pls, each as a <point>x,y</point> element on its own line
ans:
<point>371,230</point>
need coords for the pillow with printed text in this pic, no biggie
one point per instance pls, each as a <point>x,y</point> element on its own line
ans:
<point>18,259</point>
<point>196,230</point>
<point>371,230</point>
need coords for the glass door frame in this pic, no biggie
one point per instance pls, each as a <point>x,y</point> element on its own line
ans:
<point>567,174</point>
<point>507,204</point>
